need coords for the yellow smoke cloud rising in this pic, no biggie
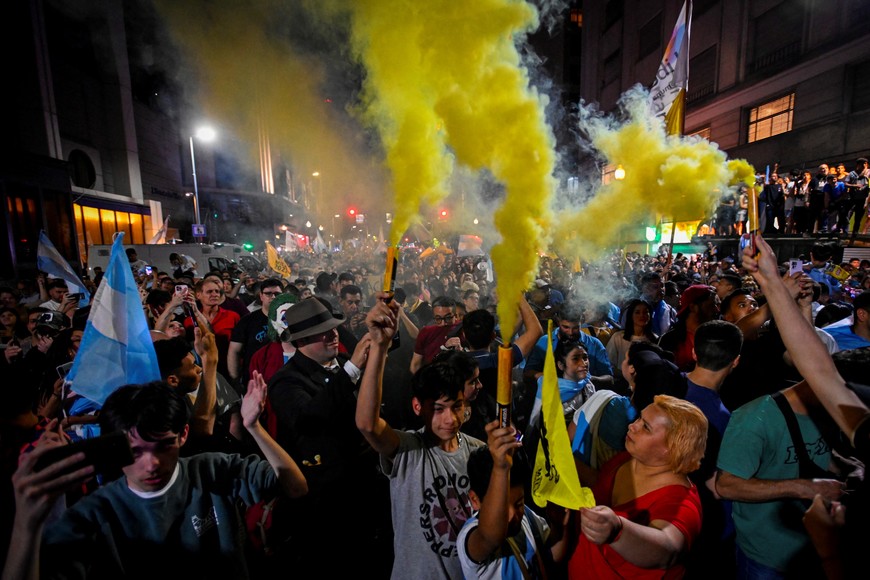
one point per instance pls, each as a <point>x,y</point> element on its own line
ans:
<point>672,176</point>
<point>445,82</point>
<point>248,76</point>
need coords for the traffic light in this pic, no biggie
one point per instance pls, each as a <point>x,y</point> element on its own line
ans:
<point>248,246</point>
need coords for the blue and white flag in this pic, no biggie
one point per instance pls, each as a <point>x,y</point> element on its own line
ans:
<point>116,348</point>
<point>49,260</point>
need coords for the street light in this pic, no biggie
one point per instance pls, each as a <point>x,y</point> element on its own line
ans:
<point>619,174</point>
<point>204,134</point>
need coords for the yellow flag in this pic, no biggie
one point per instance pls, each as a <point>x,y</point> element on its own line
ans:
<point>675,116</point>
<point>555,477</point>
<point>276,262</point>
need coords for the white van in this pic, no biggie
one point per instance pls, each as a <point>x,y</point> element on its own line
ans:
<point>215,256</point>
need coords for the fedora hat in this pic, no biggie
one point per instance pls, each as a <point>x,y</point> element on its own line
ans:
<point>308,318</point>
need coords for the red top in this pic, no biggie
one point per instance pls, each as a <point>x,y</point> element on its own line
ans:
<point>430,340</point>
<point>223,322</point>
<point>676,504</point>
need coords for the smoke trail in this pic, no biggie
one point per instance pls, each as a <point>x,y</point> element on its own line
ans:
<point>445,82</point>
<point>668,175</point>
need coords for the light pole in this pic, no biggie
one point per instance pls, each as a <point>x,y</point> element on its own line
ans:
<point>195,204</point>
<point>204,134</point>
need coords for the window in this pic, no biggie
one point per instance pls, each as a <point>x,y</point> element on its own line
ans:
<point>98,226</point>
<point>612,67</point>
<point>771,118</point>
<point>703,132</point>
<point>701,6</point>
<point>776,39</point>
<point>702,82</point>
<point>613,13</point>
<point>860,87</point>
<point>649,37</point>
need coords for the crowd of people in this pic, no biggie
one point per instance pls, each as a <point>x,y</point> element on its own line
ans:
<point>801,202</point>
<point>319,426</point>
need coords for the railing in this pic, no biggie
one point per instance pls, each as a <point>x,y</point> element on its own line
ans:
<point>776,58</point>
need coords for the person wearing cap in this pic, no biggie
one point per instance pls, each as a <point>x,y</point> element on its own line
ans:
<point>313,398</point>
<point>698,304</point>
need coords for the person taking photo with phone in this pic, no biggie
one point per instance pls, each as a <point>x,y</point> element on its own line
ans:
<point>183,509</point>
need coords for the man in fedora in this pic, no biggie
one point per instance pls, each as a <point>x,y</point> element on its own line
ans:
<point>313,398</point>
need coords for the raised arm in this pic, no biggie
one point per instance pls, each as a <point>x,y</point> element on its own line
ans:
<point>806,349</point>
<point>35,495</point>
<point>494,509</point>
<point>527,340</point>
<point>381,321</point>
<point>205,407</point>
<point>238,286</point>
<point>409,325</point>
<point>162,322</point>
<point>289,475</point>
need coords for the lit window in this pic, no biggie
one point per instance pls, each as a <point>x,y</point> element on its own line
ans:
<point>704,133</point>
<point>771,118</point>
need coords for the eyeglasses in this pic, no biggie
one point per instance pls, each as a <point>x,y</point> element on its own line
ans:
<point>272,294</point>
<point>445,318</point>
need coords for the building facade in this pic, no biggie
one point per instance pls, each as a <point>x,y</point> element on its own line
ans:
<point>96,139</point>
<point>771,81</point>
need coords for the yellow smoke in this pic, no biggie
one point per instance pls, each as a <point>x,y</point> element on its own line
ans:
<point>445,82</point>
<point>671,176</point>
<point>248,76</point>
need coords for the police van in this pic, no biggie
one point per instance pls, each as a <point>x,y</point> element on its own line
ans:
<point>208,257</point>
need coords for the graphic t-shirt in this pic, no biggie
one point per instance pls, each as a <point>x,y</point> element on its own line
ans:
<point>429,496</point>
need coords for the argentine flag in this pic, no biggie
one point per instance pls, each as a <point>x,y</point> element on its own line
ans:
<point>49,260</point>
<point>116,348</point>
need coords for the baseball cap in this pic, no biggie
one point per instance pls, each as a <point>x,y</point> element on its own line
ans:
<point>50,323</point>
<point>692,295</point>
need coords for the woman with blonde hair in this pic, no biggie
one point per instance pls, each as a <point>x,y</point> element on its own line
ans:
<point>649,511</point>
